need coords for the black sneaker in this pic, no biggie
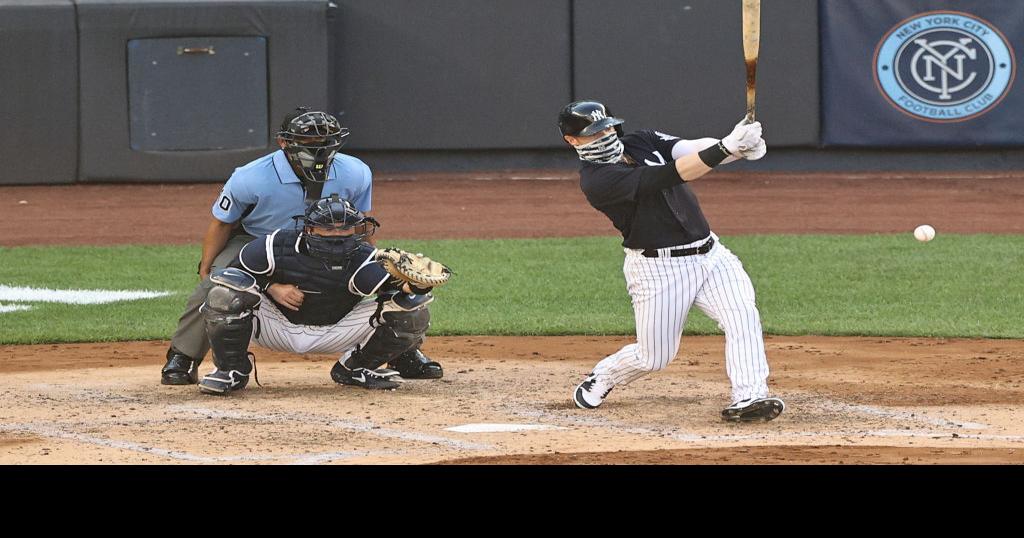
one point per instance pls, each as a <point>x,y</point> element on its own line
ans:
<point>415,365</point>
<point>221,382</point>
<point>224,381</point>
<point>754,410</point>
<point>362,377</point>
<point>180,369</point>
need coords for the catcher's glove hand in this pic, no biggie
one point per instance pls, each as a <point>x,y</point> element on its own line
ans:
<point>416,269</point>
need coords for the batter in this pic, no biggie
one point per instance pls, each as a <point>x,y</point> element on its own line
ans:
<point>673,261</point>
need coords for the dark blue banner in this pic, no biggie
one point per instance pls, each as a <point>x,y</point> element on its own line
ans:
<point>922,73</point>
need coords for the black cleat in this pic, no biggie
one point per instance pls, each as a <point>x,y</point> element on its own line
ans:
<point>180,369</point>
<point>756,410</point>
<point>363,377</point>
<point>415,365</point>
<point>221,382</point>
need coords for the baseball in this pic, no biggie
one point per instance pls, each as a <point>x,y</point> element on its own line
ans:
<point>924,233</point>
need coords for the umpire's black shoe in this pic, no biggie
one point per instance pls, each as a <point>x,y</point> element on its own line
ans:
<point>180,369</point>
<point>754,410</point>
<point>363,377</point>
<point>414,364</point>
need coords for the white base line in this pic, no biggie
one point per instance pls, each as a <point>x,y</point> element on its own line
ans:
<point>833,405</point>
<point>357,426</point>
<point>300,459</point>
<point>775,436</point>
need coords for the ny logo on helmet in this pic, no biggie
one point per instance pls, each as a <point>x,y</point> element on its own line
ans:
<point>597,115</point>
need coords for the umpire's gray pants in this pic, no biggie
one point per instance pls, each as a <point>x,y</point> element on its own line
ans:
<point>190,337</point>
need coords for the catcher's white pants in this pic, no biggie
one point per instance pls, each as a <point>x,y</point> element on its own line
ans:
<point>664,289</point>
<point>274,331</point>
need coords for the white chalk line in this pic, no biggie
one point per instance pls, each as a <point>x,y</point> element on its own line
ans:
<point>54,432</point>
<point>833,405</point>
<point>350,425</point>
<point>304,418</point>
<point>781,436</point>
<point>47,295</point>
<point>13,308</point>
<point>299,459</point>
<point>92,394</point>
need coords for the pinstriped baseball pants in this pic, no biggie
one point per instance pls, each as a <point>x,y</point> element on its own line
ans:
<point>663,290</point>
<point>274,331</point>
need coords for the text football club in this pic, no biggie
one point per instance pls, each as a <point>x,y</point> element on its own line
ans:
<point>944,66</point>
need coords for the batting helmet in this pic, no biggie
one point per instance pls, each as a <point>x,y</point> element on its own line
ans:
<point>585,118</point>
<point>339,215</point>
<point>312,139</point>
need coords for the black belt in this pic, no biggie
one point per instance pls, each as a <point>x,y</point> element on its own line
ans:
<point>703,249</point>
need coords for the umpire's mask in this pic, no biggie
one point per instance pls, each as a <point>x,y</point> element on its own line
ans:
<point>312,139</point>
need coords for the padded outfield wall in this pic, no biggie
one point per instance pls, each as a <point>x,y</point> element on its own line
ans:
<point>186,90</point>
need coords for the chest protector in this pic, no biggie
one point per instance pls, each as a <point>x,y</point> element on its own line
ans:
<point>326,287</point>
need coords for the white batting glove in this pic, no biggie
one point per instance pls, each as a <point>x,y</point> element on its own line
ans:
<point>745,141</point>
<point>756,152</point>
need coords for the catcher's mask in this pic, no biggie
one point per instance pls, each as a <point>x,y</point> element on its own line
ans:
<point>333,229</point>
<point>312,139</point>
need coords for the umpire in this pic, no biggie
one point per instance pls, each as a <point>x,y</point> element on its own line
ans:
<point>263,196</point>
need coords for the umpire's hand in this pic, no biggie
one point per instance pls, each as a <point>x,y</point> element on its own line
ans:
<point>287,295</point>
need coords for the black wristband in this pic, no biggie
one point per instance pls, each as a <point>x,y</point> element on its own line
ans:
<point>714,155</point>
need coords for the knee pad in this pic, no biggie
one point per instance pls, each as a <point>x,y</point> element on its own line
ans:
<point>228,314</point>
<point>398,332</point>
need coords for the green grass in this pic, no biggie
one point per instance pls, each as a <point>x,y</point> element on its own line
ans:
<point>892,285</point>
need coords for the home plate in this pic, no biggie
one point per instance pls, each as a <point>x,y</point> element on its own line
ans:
<point>491,428</point>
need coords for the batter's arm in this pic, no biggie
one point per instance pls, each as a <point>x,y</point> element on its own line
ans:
<point>691,167</point>
<point>217,235</point>
<point>744,142</point>
<point>687,147</point>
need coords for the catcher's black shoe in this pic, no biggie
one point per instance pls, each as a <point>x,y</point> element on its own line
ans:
<point>414,364</point>
<point>754,410</point>
<point>364,377</point>
<point>222,382</point>
<point>180,369</point>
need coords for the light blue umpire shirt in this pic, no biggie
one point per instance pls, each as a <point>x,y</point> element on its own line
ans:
<point>265,194</point>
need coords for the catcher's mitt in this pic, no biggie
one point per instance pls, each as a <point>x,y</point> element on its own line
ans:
<point>415,269</point>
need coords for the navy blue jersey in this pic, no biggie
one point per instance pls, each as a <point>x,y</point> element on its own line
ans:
<point>330,291</point>
<point>647,201</point>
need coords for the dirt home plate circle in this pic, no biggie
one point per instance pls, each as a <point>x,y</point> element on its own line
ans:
<point>944,66</point>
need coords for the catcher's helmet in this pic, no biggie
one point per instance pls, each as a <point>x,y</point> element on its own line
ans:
<point>337,214</point>
<point>585,118</point>
<point>312,139</point>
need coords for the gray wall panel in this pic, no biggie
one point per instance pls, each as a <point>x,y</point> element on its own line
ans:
<point>297,65</point>
<point>678,66</point>
<point>455,74</point>
<point>38,92</point>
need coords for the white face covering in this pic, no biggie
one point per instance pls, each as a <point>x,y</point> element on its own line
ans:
<point>607,149</point>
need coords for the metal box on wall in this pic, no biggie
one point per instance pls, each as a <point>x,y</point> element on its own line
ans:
<point>292,73</point>
<point>197,93</point>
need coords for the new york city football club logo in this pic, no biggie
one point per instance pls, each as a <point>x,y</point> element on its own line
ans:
<point>944,66</point>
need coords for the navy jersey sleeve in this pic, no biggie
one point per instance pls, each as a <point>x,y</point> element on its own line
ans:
<point>662,142</point>
<point>610,184</point>
<point>257,259</point>
<point>369,279</point>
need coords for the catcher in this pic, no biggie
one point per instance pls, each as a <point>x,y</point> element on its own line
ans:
<point>309,290</point>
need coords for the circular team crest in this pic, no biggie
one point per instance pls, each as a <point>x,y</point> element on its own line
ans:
<point>944,66</point>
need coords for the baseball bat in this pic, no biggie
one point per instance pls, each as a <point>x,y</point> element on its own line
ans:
<point>751,45</point>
